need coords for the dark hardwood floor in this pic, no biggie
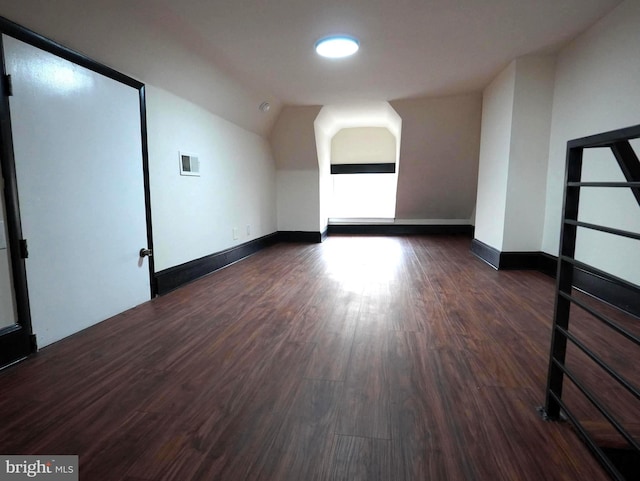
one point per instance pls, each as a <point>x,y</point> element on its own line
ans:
<point>362,358</point>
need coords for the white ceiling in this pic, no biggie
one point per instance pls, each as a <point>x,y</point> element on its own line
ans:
<point>228,56</point>
<point>408,48</point>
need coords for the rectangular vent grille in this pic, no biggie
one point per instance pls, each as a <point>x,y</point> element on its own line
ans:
<point>189,164</point>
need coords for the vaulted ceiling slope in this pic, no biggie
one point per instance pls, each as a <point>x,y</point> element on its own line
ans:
<point>409,48</point>
<point>253,50</point>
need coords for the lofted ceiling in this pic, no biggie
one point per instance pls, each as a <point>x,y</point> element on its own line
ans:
<point>409,48</point>
<point>229,56</point>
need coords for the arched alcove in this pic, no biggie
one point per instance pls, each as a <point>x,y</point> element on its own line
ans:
<point>342,133</point>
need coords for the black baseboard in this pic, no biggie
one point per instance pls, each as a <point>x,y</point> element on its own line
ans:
<point>398,229</point>
<point>15,345</point>
<point>548,264</point>
<point>169,279</point>
<point>174,277</point>
<point>300,236</point>
<point>485,252</point>
<point>519,260</point>
<point>534,260</point>
<point>615,293</point>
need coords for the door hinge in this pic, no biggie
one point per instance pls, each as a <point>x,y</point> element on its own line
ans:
<point>24,249</point>
<point>8,85</point>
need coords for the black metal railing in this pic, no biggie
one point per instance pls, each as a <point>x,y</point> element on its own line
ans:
<point>568,268</point>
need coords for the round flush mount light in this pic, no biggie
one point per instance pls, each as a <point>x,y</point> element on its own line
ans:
<point>337,46</point>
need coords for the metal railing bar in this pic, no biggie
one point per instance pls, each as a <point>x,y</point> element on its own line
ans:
<point>603,458</point>
<point>615,292</point>
<point>601,228</point>
<point>606,139</point>
<point>621,380</point>
<point>601,317</point>
<point>613,421</point>
<point>628,163</point>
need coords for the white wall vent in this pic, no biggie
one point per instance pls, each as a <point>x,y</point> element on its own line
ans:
<point>189,164</point>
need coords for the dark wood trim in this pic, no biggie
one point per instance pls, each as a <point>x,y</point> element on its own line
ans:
<point>519,260</point>
<point>400,229</point>
<point>627,297</point>
<point>624,296</point>
<point>540,261</point>
<point>485,252</point>
<point>8,342</point>
<point>300,236</point>
<point>169,279</point>
<point>386,168</point>
<point>324,235</point>
<point>15,342</point>
<point>548,264</point>
<point>32,38</point>
<point>147,189</point>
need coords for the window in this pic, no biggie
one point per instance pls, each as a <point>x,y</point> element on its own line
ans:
<point>363,196</point>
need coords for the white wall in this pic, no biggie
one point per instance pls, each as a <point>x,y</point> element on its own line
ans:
<point>495,149</point>
<point>194,216</point>
<point>531,123</point>
<point>157,48</point>
<point>438,155</point>
<point>321,132</point>
<point>597,89</point>
<point>513,155</point>
<point>196,106</point>
<point>298,183</point>
<point>363,145</point>
<point>438,167</point>
<point>298,200</point>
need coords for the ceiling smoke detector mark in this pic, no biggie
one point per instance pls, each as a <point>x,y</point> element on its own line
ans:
<point>189,164</point>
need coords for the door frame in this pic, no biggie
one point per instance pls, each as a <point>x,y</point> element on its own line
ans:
<point>18,341</point>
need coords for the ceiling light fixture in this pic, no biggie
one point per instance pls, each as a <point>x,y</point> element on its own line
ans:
<point>337,46</point>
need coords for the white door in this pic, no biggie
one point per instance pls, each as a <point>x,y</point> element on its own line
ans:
<point>78,158</point>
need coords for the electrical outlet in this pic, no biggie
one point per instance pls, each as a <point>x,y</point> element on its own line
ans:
<point>235,233</point>
<point>248,230</point>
